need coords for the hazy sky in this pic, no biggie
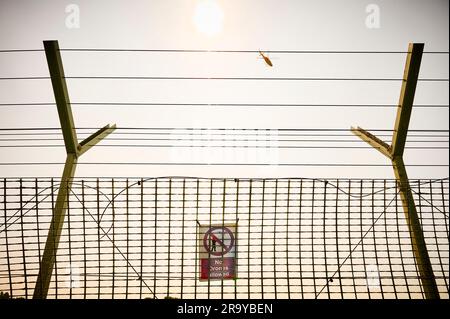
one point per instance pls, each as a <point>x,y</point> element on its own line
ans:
<point>247,25</point>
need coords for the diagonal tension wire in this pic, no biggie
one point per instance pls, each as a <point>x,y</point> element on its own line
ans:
<point>359,243</point>
<point>7,224</point>
<point>115,246</point>
<point>429,202</point>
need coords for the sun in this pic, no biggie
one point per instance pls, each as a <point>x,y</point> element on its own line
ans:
<point>208,17</point>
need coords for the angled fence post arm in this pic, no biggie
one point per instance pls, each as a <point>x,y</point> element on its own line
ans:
<point>95,138</point>
<point>373,141</point>
<point>73,150</point>
<point>395,154</point>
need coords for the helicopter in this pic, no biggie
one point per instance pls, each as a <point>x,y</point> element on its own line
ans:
<point>266,59</point>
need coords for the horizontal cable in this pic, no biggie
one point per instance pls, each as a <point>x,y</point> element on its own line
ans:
<point>226,146</point>
<point>230,104</point>
<point>21,50</point>
<point>190,138</point>
<point>220,164</point>
<point>224,51</point>
<point>191,179</point>
<point>283,129</point>
<point>250,51</point>
<point>221,78</point>
<point>15,135</point>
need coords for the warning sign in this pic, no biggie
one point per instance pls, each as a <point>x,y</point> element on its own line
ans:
<point>217,251</point>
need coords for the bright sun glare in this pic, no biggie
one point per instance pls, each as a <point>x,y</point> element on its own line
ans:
<point>208,18</point>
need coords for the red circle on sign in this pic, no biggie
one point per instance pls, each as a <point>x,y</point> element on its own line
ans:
<point>225,248</point>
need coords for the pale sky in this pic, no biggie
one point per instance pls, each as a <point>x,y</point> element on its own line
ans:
<point>246,25</point>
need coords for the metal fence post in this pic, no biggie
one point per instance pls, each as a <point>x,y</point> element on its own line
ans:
<point>73,150</point>
<point>395,153</point>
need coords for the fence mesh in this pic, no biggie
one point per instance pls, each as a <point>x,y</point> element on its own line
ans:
<point>296,238</point>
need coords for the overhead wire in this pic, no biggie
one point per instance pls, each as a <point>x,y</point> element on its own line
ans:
<point>269,129</point>
<point>223,51</point>
<point>112,104</point>
<point>223,130</point>
<point>221,78</point>
<point>220,164</point>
